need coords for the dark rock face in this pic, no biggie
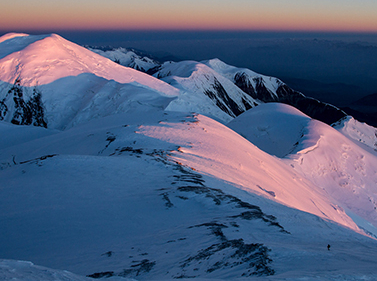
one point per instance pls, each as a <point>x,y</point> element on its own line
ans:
<point>3,109</point>
<point>242,81</point>
<point>143,266</point>
<point>284,94</point>
<point>231,253</point>
<point>260,92</point>
<point>219,95</point>
<point>222,99</point>
<point>324,112</point>
<point>29,112</point>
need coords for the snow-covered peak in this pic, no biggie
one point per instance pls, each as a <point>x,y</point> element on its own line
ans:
<point>14,43</point>
<point>183,69</point>
<point>226,69</point>
<point>48,58</point>
<point>232,72</point>
<point>48,81</point>
<point>270,89</point>
<point>205,89</point>
<point>128,58</point>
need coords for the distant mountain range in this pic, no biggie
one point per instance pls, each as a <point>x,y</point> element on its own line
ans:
<point>114,165</point>
<point>259,87</point>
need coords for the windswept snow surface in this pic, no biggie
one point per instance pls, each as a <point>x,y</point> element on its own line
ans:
<point>214,149</point>
<point>160,195</point>
<point>347,172</point>
<point>342,168</point>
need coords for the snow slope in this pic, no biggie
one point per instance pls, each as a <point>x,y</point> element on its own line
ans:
<point>162,195</point>
<point>341,167</point>
<point>23,270</point>
<point>357,131</point>
<point>275,128</point>
<point>213,149</point>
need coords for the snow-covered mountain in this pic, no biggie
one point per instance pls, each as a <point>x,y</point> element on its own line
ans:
<point>271,89</point>
<point>197,80</point>
<point>128,58</point>
<point>132,177</point>
<point>234,90</point>
<point>70,83</point>
<point>51,82</point>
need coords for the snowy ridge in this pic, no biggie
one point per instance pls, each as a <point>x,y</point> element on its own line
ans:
<point>339,167</point>
<point>234,164</point>
<point>49,69</point>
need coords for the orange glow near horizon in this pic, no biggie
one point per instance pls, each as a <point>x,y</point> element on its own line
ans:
<point>188,15</point>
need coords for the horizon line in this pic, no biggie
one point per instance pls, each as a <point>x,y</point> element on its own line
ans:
<point>199,30</point>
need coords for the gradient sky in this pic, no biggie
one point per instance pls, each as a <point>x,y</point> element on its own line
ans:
<point>307,15</point>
